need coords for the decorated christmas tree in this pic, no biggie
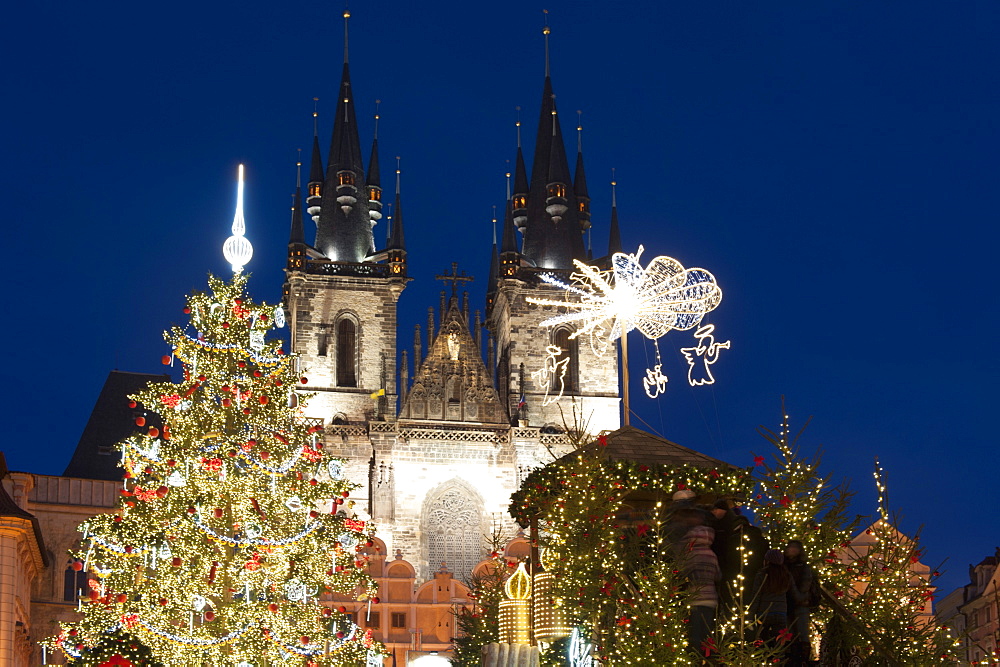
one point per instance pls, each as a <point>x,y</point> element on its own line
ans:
<point>232,522</point>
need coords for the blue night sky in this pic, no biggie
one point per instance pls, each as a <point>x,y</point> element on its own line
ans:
<point>833,163</point>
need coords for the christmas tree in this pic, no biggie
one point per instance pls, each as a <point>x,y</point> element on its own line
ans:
<point>232,520</point>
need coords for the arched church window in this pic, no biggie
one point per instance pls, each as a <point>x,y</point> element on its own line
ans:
<point>74,580</point>
<point>347,353</point>
<point>568,360</point>
<point>454,533</point>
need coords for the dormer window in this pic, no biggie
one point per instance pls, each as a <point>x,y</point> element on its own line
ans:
<point>314,189</point>
<point>557,190</point>
<point>345,178</point>
<point>520,202</point>
<point>374,194</point>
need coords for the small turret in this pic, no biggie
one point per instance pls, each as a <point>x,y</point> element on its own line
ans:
<point>373,180</point>
<point>315,186</point>
<point>580,179</point>
<point>397,243</point>
<point>520,202</point>
<point>614,236</point>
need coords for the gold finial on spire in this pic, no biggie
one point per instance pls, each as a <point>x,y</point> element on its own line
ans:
<point>507,174</point>
<point>579,131</point>
<point>347,15</point>
<point>377,103</point>
<point>494,225</point>
<point>315,116</point>
<point>298,169</point>
<point>397,174</point>
<point>545,31</point>
<point>614,183</point>
<point>517,124</point>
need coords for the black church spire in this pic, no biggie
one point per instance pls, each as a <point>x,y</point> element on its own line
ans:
<point>344,232</point>
<point>552,231</point>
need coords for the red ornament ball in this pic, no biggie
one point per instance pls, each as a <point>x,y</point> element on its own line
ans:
<point>241,364</point>
<point>118,518</point>
<point>154,432</point>
<point>202,378</point>
<point>304,639</point>
<point>171,463</point>
<point>313,514</point>
<point>327,612</point>
<point>209,615</point>
<point>265,455</point>
<point>93,595</point>
<point>375,600</point>
<point>277,383</point>
<point>225,325</point>
<point>304,380</point>
<point>73,632</point>
<point>175,561</point>
<point>163,602</point>
<point>121,598</point>
<point>263,400</point>
<point>77,565</point>
<point>340,635</point>
<point>226,402</point>
<point>313,482</point>
<point>166,360</point>
<point>345,493</point>
<point>273,608</point>
<point>256,374</point>
<point>187,310</point>
<point>217,512</point>
<point>140,421</point>
<point>191,510</point>
<point>342,610</point>
<point>225,387</point>
<point>252,442</point>
<point>246,411</point>
<point>132,404</point>
<point>129,549</point>
<point>231,453</point>
<point>162,491</point>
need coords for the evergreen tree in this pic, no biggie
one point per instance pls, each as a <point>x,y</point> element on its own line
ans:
<point>231,522</point>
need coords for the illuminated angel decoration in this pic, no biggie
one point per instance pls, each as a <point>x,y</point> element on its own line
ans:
<point>552,374</point>
<point>655,299</point>
<point>708,350</point>
<point>660,297</point>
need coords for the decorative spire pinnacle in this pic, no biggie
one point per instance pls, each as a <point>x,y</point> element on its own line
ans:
<point>377,103</point>
<point>347,15</point>
<point>316,117</point>
<point>237,249</point>
<point>545,31</point>
<point>298,169</point>
<point>398,241</point>
<point>517,124</point>
<point>579,131</point>
<point>495,225</point>
<point>614,233</point>
<point>507,176</point>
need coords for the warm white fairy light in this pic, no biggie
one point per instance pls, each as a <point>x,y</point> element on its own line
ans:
<point>237,249</point>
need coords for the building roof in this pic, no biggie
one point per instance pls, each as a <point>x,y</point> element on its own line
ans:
<point>111,421</point>
<point>8,508</point>
<point>631,444</point>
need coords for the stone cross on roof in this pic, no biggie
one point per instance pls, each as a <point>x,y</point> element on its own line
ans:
<point>454,278</point>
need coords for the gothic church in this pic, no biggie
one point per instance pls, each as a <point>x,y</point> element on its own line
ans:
<point>439,449</point>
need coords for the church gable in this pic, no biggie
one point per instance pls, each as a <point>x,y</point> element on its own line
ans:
<point>452,383</point>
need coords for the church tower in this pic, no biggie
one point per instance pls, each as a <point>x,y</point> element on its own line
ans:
<point>340,292</point>
<point>552,213</point>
